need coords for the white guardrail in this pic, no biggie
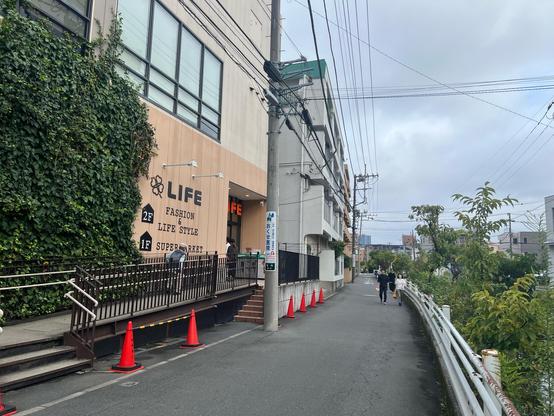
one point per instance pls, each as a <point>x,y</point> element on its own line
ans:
<point>476,391</point>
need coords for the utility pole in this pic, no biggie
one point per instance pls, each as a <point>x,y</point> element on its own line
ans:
<point>413,246</point>
<point>510,233</point>
<point>271,287</point>
<point>354,215</point>
<point>357,178</point>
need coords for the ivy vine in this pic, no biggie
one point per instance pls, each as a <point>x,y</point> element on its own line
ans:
<point>74,141</point>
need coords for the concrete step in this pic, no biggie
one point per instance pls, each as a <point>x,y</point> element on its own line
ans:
<point>257,297</point>
<point>254,302</point>
<point>259,292</point>
<point>251,319</point>
<point>254,314</point>
<point>26,360</point>
<point>41,373</point>
<point>23,347</point>
<point>254,308</point>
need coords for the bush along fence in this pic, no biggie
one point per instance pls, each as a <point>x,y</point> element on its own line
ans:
<point>473,379</point>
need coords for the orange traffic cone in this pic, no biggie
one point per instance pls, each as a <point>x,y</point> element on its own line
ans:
<point>321,298</point>
<point>192,334</point>
<point>127,362</point>
<point>312,303</point>
<point>6,409</point>
<point>303,304</point>
<point>290,313</point>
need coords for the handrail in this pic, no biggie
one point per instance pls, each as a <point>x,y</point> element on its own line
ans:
<point>60,282</point>
<point>454,350</point>
<point>16,276</point>
<point>83,307</point>
<point>72,283</point>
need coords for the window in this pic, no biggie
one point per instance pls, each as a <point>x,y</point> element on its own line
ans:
<point>524,240</point>
<point>171,67</point>
<point>515,240</point>
<point>71,16</point>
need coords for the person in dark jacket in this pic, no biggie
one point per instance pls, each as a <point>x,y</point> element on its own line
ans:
<point>383,280</point>
<point>232,254</point>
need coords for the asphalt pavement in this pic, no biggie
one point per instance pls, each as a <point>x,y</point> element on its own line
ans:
<point>350,356</point>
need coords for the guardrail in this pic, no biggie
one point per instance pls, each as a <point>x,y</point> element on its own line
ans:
<point>475,389</point>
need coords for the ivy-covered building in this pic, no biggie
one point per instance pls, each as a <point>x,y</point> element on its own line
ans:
<point>207,179</point>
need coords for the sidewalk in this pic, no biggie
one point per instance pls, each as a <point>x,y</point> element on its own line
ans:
<point>349,356</point>
<point>44,328</point>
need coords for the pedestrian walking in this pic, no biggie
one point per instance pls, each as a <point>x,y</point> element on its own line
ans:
<point>401,284</point>
<point>176,262</point>
<point>383,280</point>
<point>232,254</point>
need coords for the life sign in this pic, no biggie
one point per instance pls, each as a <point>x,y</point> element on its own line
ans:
<point>235,207</point>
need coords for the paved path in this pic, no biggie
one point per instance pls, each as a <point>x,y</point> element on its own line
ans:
<point>350,356</point>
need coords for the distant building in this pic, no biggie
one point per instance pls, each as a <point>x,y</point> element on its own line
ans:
<point>408,240</point>
<point>524,242</point>
<point>311,172</point>
<point>364,240</point>
<point>549,214</point>
<point>395,248</point>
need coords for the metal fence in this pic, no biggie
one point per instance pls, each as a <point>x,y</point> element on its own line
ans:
<point>116,292</point>
<point>475,390</point>
<point>297,267</point>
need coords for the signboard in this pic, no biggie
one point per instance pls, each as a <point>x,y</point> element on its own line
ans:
<point>170,217</point>
<point>145,243</point>
<point>271,241</point>
<point>147,214</point>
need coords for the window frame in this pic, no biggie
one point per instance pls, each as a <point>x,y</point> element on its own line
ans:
<point>86,19</point>
<point>177,101</point>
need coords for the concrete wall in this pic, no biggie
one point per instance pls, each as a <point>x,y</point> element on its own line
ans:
<point>253,220</point>
<point>296,290</point>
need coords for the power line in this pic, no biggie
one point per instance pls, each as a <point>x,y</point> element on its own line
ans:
<point>331,124</point>
<point>363,97</point>
<point>239,27</point>
<point>362,79</point>
<point>265,9</point>
<point>352,129</point>
<point>371,89</point>
<point>337,87</point>
<point>411,68</point>
<point>350,57</point>
<point>521,144</point>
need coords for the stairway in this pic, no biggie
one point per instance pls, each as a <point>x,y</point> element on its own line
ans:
<point>35,361</point>
<point>253,310</point>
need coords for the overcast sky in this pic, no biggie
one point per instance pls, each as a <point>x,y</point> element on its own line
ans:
<point>431,147</point>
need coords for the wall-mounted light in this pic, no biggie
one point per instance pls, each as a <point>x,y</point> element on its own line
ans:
<point>213,175</point>
<point>192,164</point>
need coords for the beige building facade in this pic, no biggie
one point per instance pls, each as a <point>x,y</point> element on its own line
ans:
<point>208,178</point>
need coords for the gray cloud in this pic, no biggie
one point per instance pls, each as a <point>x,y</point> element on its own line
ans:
<point>430,148</point>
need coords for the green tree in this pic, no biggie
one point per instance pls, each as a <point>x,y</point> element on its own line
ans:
<point>477,258</point>
<point>443,237</point>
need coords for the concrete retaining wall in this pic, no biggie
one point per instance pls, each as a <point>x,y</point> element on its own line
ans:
<point>296,289</point>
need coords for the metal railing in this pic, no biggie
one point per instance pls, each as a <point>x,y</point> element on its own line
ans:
<point>118,292</point>
<point>475,390</point>
<point>297,267</point>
